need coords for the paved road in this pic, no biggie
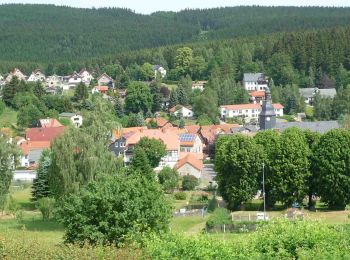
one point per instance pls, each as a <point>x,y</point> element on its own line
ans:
<point>208,172</point>
<point>24,175</point>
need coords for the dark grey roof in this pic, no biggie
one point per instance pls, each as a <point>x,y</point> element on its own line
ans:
<point>246,128</point>
<point>328,92</point>
<point>307,92</point>
<point>253,77</point>
<point>310,92</point>
<point>156,67</point>
<point>318,126</point>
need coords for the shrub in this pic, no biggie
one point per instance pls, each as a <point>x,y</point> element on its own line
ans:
<point>46,207</point>
<point>220,216</point>
<point>213,204</point>
<point>189,182</point>
<point>168,178</point>
<point>111,209</point>
<point>180,195</point>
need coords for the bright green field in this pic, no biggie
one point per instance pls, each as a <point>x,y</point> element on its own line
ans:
<point>50,233</point>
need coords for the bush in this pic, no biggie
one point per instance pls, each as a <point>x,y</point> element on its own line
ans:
<point>114,208</point>
<point>189,182</point>
<point>46,207</point>
<point>213,204</point>
<point>168,178</point>
<point>180,195</point>
<point>220,216</point>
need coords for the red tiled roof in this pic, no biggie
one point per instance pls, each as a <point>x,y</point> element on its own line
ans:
<point>190,159</point>
<point>159,120</point>
<point>259,94</point>
<point>170,139</point>
<point>44,134</point>
<point>33,145</point>
<point>102,88</point>
<point>192,129</point>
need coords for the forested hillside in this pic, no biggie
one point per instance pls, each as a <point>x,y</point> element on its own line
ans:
<point>42,34</point>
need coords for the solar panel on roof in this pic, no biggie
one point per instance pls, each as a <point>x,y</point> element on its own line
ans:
<point>187,137</point>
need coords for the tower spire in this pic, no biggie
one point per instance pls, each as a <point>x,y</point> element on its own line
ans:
<point>267,117</point>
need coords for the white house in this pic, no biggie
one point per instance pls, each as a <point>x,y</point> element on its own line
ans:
<point>199,85</point>
<point>16,72</point>
<point>86,76</point>
<point>181,110</point>
<point>74,80</point>
<point>36,75</point>
<point>191,143</point>
<point>76,119</point>
<point>309,94</point>
<point>159,69</point>
<point>247,111</point>
<point>255,81</point>
<point>54,81</point>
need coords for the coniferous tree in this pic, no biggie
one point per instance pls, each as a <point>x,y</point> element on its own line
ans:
<point>40,188</point>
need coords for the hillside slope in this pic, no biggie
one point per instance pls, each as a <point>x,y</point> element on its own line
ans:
<point>48,33</point>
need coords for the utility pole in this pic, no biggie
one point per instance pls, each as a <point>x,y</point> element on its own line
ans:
<point>263,173</point>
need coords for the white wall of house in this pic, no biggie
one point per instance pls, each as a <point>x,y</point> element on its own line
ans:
<point>188,169</point>
<point>186,113</point>
<point>161,71</point>
<point>247,114</point>
<point>24,161</point>
<point>86,76</point>
<point>77,120</point>
<point>254,86</point>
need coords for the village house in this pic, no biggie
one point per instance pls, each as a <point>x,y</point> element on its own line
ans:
<point>198,85</point>
<point>170,140</point>
<point>74,80</point>
<point>76,119</point>
<point>105,80</point>
<point>182,111</point>
<point>85,76</point>
<point>255,81</point>
<point>16,72</point>
<point>308,94</point>
<point>54,81</point>
<point>191,143</point>
<point>100,89</point>
<point>247,112</point>
<point>189,165</point>
<point>36,141</point>
<point>158,69</point>
<point>37,75</point>
<point>257,97</point>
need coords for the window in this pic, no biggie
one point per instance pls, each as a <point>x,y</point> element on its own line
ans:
<point>246,111</point>
<point>122,144</point>
<point>116,144</point>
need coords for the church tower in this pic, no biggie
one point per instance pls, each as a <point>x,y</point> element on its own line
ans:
<point>267,117</point>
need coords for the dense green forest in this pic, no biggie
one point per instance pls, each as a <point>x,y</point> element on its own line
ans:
<point>40,34</point>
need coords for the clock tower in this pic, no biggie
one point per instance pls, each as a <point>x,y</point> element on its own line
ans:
<point>267,117</point>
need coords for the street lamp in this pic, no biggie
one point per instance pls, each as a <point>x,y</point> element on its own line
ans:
<point>263,182</point>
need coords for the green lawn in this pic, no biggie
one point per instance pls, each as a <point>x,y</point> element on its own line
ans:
<point>8,118</point>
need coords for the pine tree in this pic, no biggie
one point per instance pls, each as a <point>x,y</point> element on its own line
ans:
<point>182,95</point>
<point>10,90</point>
<point>118,107</point>
<point>39,90</point>
<point>81,92</point>
<point>173,99</point>
<point>41,183</point>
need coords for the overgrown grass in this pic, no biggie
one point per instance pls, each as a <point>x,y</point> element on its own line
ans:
<point>189,225</point>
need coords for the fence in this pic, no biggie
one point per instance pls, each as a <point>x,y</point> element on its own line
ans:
<point>243,227</point>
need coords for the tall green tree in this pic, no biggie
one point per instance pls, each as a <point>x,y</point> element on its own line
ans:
<point>269,141</point>
<point>155,150</point>
<point>238,161</point>
<point>76,160</point>
<point>290,168</point>
<point>10,90</point>
<point>81,92</point>
<point>138,99</point>
<point>9,158</point>
<point>40,188</point>
<point>183,60</point>
<point>207,104</point>
<point>332,163</point>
